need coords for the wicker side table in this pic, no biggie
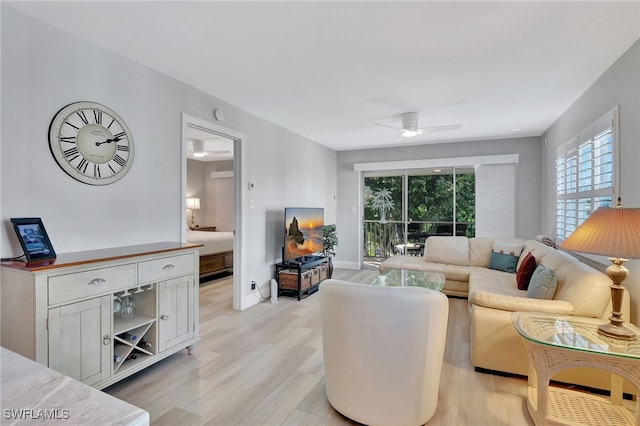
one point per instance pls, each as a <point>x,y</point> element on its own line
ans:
<point>558,343</point>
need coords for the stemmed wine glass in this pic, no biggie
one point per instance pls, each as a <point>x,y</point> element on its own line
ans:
<point>117,306</point>
<point>127,306</point>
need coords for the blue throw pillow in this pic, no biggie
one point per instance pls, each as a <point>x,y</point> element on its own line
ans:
<point>503,262</point>
<point>543,283</point>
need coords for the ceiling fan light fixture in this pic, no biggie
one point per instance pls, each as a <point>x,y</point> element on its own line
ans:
<point>198,148</point>
<point>409,133</point>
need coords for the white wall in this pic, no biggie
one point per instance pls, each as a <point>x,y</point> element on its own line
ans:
<point>196,187</point>
<point>44,69</point>
<point>619,85</point>
<point>220,195</point>
<point>528,191</point>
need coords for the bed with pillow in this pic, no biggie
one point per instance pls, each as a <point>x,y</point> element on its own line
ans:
<point>216,254</point>
<point>502,276</point>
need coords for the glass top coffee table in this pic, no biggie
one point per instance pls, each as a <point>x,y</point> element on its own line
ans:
<point>409,278</point>
<point>557,343</point>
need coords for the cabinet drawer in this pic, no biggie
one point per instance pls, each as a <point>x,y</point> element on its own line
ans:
<point>167,267</point>
<point>81,285</point>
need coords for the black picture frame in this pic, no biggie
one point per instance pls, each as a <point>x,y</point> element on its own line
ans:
<point>33,238</point>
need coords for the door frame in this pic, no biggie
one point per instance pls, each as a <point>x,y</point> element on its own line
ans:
<point>240,221</point>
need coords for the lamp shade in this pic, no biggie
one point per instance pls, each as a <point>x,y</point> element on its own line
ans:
<point>193,203</point>
<point>609,231</point>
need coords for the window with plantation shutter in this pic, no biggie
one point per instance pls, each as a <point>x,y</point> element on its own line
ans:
<point>586,174</point>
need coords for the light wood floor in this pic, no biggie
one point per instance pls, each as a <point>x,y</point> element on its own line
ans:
<point>263,366</point>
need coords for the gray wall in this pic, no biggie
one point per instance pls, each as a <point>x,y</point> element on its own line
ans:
<point>618,86</point>
<point>44,68</point>
<point>528,191</point>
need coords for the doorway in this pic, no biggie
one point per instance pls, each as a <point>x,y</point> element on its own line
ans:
<point>212,206</point>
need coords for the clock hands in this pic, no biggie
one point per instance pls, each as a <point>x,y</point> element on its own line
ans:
<point>116,139</point>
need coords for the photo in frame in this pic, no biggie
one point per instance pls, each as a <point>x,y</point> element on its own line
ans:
<point>33,239</point>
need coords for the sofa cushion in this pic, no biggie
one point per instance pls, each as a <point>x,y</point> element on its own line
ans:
<point>447,250</point>
<point>507,248</point>
<point>480,251</point>
<point>515,303</point>
<point>493,281</point>
<point>587,289</point>
<point>525,271</point>
<point>457,273</point>
<point>503,262</point>
<point>536,248</point>
<point>404,262</point>
<point>543,283</point>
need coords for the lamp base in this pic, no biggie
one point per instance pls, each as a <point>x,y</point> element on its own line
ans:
<point>617,273</point>
<point>616,332</point>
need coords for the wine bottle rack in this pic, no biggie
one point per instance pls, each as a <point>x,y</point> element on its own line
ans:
<point>142,325</point>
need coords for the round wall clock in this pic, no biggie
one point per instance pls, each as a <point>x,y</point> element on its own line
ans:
<point>91,143</point>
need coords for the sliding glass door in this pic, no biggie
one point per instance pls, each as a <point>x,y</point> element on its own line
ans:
<point>383,213</point>
<point>403,208</point>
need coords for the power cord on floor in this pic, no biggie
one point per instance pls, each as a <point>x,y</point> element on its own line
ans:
<point>262,298</point>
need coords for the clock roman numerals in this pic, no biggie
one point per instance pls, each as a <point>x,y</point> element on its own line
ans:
<point>97,116</point>
<point>71,153</point>
<point>123,148</point>
<point>77,128</point>
<point>82,166</point>
<point>83,117</point>
<point>96,170</point>
<point>70,139</point>
<point>121,161</point>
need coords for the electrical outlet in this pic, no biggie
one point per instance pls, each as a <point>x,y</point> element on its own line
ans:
<point>253,285</point>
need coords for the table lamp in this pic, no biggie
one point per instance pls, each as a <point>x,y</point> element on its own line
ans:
<point>612,232</point>
<point>193,203</point>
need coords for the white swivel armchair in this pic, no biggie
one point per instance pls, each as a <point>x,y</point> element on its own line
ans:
<point>383,350</point>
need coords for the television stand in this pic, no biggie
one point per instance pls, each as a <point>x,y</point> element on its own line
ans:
<point>301,278</point>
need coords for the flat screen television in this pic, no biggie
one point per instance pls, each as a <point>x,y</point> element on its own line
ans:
<point>302,232</point>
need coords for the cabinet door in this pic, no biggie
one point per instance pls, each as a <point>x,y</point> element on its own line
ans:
<point>175,304</point>
<point>80,339</point>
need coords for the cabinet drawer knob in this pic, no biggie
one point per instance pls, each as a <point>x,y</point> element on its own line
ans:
<point>167,267</point>
<point>164,317</point>
<point>106,339</point>
<point>97,281</point>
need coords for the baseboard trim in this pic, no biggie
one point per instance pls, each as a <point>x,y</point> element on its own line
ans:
<point>346,265</point>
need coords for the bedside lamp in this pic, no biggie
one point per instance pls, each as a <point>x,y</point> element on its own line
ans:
<point>193,203</point>
<point>615,232</point>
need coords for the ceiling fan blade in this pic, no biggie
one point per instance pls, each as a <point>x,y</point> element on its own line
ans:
<point>434,129</point>
<point>387,126</point>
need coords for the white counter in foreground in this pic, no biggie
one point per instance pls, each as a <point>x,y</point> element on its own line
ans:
<point>34,394</point>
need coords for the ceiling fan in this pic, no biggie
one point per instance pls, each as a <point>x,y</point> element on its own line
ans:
<point>199,150</point>
<point>410,126</point>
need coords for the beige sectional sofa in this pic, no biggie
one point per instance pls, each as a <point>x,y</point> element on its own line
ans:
<point>493,295</point>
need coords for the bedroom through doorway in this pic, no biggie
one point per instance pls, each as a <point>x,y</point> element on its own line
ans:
<point>210,200</point>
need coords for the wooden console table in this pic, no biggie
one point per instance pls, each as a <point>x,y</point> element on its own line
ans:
<point>60,312</point>
<point>558,343</point>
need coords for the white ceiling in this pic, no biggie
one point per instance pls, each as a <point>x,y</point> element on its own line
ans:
<point>331,70</point>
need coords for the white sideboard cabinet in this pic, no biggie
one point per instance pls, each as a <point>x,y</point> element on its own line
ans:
<point>100,316</point>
